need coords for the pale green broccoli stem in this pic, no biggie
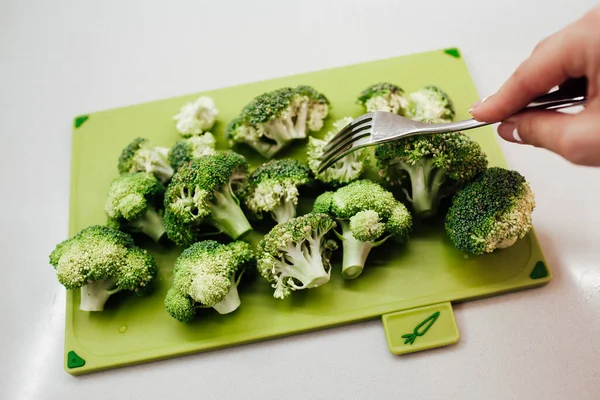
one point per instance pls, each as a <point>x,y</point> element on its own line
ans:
<point>95,294</point>
<point>305,264</point>
<point>300,127</point>
<point>354,251</point>
<point>230,302</point>
<point>151,224</point>
<point>227,216</point>
<point>284,212</point>
<point>426,180</point>
<point>154,162</point>
<point>283,129</point>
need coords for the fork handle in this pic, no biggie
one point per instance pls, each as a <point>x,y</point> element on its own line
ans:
<point>571,93</point>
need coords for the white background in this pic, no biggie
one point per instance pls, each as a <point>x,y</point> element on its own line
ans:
<point>59,59</point>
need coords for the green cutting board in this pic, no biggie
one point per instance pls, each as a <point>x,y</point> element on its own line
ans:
<point>425,271</point>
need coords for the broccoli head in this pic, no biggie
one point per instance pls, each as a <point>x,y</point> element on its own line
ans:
<point>206,275</point>
<point>101,261</point>
<point>368,216</point>
<point>185,150</point>
<point>272,120</point>
<point>384,97</point>
<point>196,117</point>
<point>492,212</point>
<point>141,156</point>
<point>133,202</point>
<point>295,254</point>
<point>345,170</point>
<point>273,188</point>
<point>203,192</point>
<point>431,104</point>
<point>433,166</point>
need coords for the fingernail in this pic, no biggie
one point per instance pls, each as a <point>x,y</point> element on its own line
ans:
<point>508,131</point>
<point>477,104</point>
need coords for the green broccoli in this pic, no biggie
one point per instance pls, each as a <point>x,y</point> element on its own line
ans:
<point>273,188</point>
<point>368,216</point>
<point>206,275</point>
<point>345,170</point>
<point>430,104</point>
<point>133,202</point>
<point>492,212</point>
<point>101,261</point>
<point>141,156</point>
<point>272,120</point>
<point>295,254</point>
<point>204,192</point>
<point>185,150</point>
<point>434,166</point>
<point>384,97</point>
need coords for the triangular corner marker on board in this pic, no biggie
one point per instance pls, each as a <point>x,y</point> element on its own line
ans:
<point>454,52</point>
<point>539,271</point>
<point>74,361</point>
<point>80,120</point>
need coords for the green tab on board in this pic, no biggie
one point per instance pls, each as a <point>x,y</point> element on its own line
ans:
<point>74,361</point>
<point>420,328</point>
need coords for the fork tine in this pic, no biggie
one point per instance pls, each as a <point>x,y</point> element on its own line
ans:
<point>360,132</point>
<point>341,151</point>
<point>344,133</point>
<point>362,142</point>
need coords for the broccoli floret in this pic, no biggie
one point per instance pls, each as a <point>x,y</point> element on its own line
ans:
<point>185,150</point>
<point>141,156</point>
<point>133,202</point>
<point>433,166</point>
<point>272,120</point>
<point>345,170</point>
<point>384,97</point>
<point>101,261</point>
<point>491,212</point>
<point>206,275</point>
<point>204,192</point>
<point>368,216</point>
<point>431,104</point>
<point>295,254</point>
<point>196,117</point>
<point>273,188</point>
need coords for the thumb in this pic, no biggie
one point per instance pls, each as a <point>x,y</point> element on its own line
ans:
<point>576,137</point>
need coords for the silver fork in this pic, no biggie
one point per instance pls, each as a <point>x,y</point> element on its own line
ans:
<point>379,127</point>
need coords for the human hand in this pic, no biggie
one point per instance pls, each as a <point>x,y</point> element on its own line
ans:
<point>572,52</point>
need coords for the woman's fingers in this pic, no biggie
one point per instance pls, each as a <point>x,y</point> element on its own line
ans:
<point>576,137</point>
<point>554,60</point>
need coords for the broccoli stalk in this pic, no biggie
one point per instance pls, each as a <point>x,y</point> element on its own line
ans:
<point>295,254</point>
<point>151,224</point>
<point>432,166</point>
<point>226,214</point>
<point>204,192</point>
<point>101,261</point>
<point>355,252</point>
<point>426,182</point>
<point>96,293</point>
<point>368,216</point>
<point>273,188</point>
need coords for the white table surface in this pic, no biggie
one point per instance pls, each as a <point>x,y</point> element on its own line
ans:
<point>62,58</point>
